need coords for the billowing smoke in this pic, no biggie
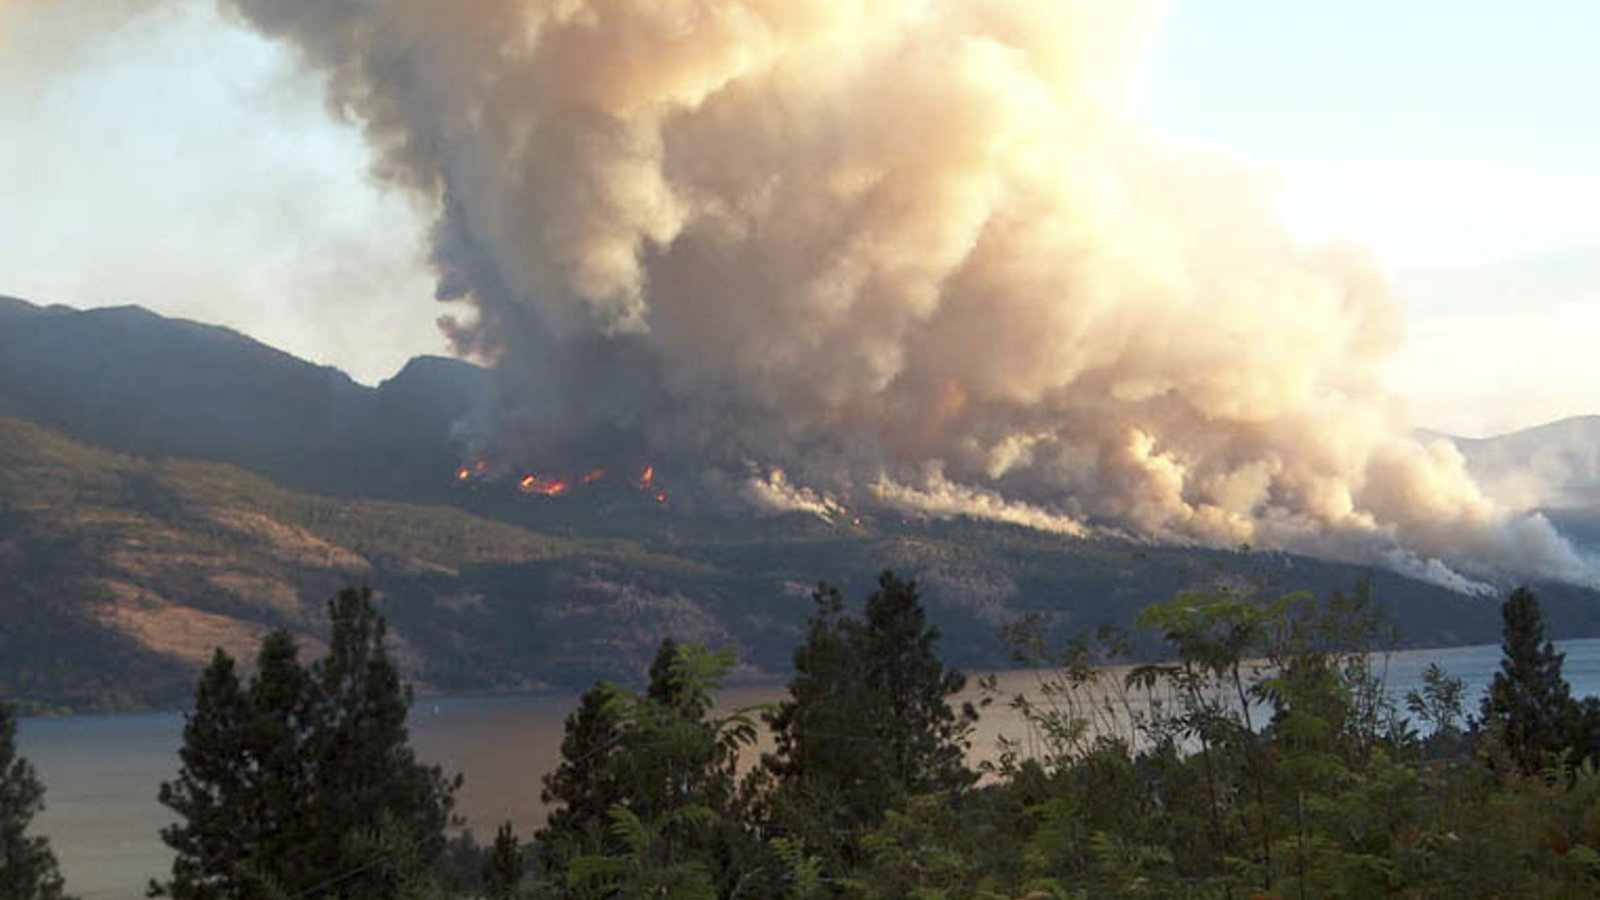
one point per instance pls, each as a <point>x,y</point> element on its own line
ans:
<point>902,254</point>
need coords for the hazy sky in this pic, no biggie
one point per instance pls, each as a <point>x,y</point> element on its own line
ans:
<point>167,158</point>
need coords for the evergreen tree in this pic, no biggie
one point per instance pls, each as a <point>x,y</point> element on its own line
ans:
<point>279,825</point>
<point>27,866</point>
<point>583,786</point>
<point>925,738</point>
<point>502,870</point>
<point>669,828</point>
<point>367,775</point>
<point>671,686</point>
<point>645,752</point>
<point>1528,703</point>
<point>672,752</point>
<point>286,784</point>
<point>213,793</point>
<point>1585,729</point>
<point>868,723</point>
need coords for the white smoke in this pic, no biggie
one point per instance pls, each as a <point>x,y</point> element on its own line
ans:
<point>775,494</point>
<point>939,497</point>
<point>908,252</point>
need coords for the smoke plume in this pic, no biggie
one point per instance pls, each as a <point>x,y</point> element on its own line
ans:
<point>899,254</point>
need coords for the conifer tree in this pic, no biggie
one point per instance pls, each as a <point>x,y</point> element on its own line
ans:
<point>868,723</point>
<point>583,786</point>
<point>367,775</point>
<point>670,685</point>
<point>668,774</point>
<point>290,782</point>
<point>28,869</point>
<point>502,869</point>
<point>1528,702</point>
<point>213,793</point>
<point>925,737</point>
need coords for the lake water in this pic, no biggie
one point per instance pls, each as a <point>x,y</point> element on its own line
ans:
<point>102,772</point>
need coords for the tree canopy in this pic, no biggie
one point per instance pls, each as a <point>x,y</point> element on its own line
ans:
<point>868,724</point>
<point>1528,704</point>
<point>304,775</point>
<point>1261,756</point>
<point>28,869</point>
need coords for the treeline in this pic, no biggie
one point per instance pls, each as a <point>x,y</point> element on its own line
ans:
<point>1262,758</point>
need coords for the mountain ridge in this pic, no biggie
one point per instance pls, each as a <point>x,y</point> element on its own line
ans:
<point>130,547</point>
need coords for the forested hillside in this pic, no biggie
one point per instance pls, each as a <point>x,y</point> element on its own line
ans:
<point>119,573</point>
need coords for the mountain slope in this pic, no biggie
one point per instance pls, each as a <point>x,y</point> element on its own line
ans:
<point>133,381</point>
<point>1553,465</point>
<point>123,561</point>
<point>119,574</point>
<point>1554,468</point>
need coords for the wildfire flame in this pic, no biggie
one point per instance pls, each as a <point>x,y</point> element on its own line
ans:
<point>556,486</point>
<point>545,487</point>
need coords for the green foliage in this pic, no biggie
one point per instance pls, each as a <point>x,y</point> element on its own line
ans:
<point>1528,706</point>
<point>28,868</point>
<point>939,847</point>
<point>504,867</point>
<point>1262,759</point>
<point>584,785</point>
<point>286,782</point>
<point>1439,707</point>
<point>646,785</point>
<point>647,865</point>
<point>869,724</point>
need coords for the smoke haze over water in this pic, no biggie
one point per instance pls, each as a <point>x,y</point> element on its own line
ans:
<point>905,254</point>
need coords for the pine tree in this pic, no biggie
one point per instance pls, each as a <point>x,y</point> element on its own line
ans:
<point>583,786</point>
<point>290,782</point>
<point>367,775</point>
<point>868,724</point>
<point>502,870</point>
<point>1529,703</point>
<point>670,686</point>
<point>211,794</point>
<point>668,776</point>
<point>28,868</point>
<point>672,753</point>
<point>925,737</point>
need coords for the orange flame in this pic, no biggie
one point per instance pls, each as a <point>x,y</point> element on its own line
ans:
<point>463,473</point>
<point>647,477</point>
<point>533,484</point>
<point>594,475</point>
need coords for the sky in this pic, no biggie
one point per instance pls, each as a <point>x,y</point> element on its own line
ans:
<point>166,157</point>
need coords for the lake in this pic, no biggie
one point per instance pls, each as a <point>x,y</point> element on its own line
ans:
<point>102,772</point>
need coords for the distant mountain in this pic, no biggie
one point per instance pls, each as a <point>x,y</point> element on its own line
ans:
<point>127,379</point>
<point>118,574</point>
<point>167,487</point>
<point>1552,465</point>
<point>1553,468</point>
